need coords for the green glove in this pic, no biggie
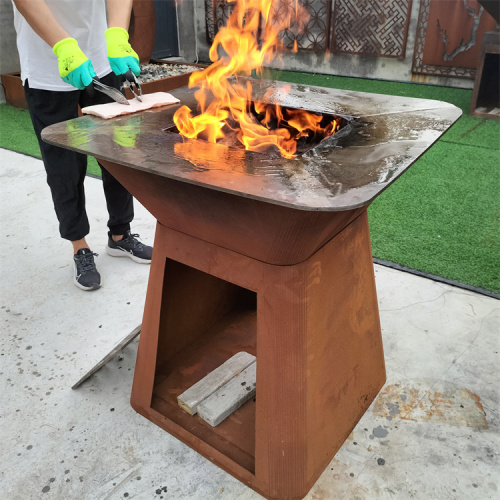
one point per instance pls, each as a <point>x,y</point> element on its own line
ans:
<point>121,55</point>
<point>75,67</point>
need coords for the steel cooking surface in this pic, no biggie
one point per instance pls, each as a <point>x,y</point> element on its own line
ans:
<point>383,136</point>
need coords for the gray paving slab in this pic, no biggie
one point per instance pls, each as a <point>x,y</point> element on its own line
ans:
<point>432,433</point>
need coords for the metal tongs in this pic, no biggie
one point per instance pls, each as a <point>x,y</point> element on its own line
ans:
<point>129,79</point>
<point>115,94</point>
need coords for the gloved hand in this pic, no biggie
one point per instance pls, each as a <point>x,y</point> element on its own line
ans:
<point>121,55</point>
<point>75,67</point>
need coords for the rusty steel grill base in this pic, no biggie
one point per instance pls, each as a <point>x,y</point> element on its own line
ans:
<point>313,325</point>
<point>310,391</point>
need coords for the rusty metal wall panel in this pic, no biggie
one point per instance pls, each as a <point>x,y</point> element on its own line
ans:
<point>217,13</point>
<point>315,33</point>
<point>449,34</point>
<point>371,27</point>
<point>376,28</point>
<point>223,10</point>
<point>209,21</point>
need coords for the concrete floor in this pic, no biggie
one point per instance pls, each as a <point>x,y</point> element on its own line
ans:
<point>432,433</point>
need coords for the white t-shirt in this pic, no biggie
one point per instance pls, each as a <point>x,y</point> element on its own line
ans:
<point>84,20</point>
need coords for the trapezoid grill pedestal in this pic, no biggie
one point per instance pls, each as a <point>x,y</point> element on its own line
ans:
<point>314,327</point>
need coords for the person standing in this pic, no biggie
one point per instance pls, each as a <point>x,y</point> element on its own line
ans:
<point>62,45</point>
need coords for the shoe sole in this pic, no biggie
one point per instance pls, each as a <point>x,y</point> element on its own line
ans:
<point>115,252</point>
<point>86,288</point>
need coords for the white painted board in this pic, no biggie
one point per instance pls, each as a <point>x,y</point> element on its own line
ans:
<point>229,397</point>
<point>192,397</point>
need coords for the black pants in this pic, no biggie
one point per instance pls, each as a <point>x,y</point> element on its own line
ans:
<point>66,169</point>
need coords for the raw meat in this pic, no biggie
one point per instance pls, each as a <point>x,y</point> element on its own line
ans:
<point>113,109</point>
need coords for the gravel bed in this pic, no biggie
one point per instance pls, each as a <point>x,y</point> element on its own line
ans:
<point>150,72</point>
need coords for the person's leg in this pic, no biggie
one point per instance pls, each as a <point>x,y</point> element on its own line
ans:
<point>119,201</point>
<point>65,176</point>
<point>121,242</point>
<point>65,169</point>
<point>120,205</point>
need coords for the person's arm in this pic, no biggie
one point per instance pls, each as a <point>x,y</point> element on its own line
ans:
<point>119,13</point>
<point>121,55</point>
<point>42,20</point>
<point>75,67</point>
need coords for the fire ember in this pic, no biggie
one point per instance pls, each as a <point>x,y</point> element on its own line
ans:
<point>250,39</point>
<point>289,124</point>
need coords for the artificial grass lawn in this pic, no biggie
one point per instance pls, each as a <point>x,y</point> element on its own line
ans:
<point>441,217</point>
<point>17,134</point>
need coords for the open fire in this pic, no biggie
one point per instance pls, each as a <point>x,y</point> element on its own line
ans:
<point>250,39</point>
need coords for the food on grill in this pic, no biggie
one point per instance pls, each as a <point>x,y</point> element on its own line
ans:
<point>113,109</point>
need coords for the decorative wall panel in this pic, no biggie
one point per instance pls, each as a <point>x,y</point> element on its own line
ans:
<point>314,15</point>
<point>312,35</point>
<point>371,27</point>
<point>449,34</point>
<point>223,10</point>
<point>209,21</point>
<point>368,27</point>
<point>217,13</point>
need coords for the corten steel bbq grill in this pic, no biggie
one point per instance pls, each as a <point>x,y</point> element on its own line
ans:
<point>257,253</point>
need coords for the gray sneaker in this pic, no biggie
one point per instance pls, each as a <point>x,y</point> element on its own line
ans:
<point>86,276</point>
<point>131,247</point>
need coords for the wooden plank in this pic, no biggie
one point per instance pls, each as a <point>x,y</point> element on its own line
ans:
<point>191,398</point>
<point>229,397</point>
<point>118,347</point>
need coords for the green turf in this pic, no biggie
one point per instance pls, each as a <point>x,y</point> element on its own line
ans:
<point>441,217</point>
<point>17,134</point>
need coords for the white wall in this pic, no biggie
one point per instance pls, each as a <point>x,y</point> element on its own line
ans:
<point>9,58</point>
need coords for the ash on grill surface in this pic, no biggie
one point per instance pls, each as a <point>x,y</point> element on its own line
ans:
<point>155,71</point>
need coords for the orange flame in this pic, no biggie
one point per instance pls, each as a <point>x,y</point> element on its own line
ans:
<point>250,40</point>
